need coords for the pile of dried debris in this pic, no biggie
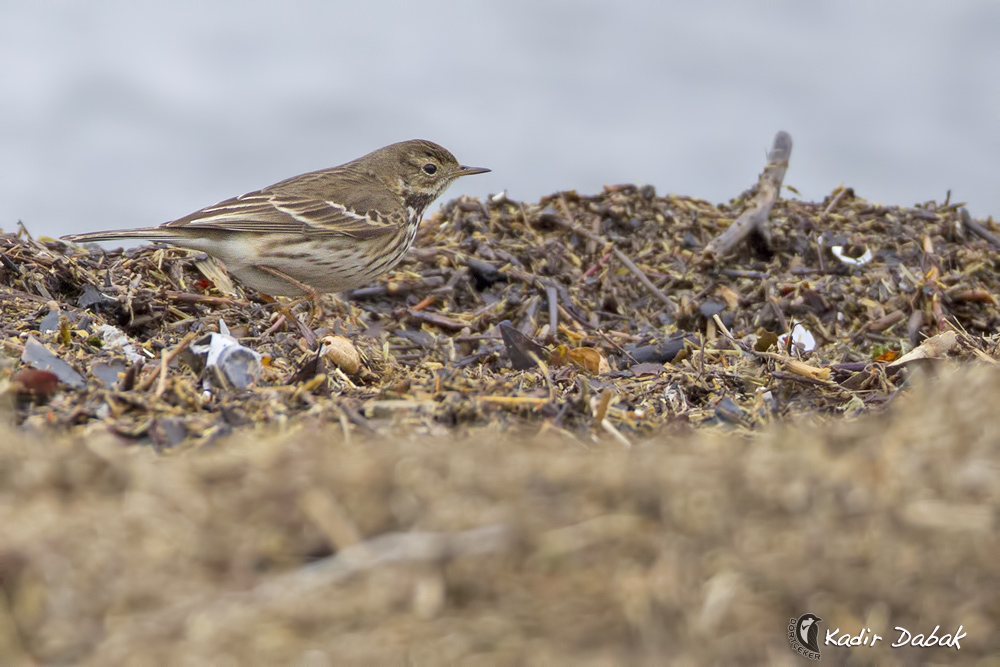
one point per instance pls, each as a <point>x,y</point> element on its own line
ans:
<point>611,312</point>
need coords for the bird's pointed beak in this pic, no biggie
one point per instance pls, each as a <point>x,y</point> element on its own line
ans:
<point>469,171</point>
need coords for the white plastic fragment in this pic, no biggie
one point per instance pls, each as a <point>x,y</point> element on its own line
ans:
<point>838,252</point>
<point>802,338</point>
<point>239,365</point>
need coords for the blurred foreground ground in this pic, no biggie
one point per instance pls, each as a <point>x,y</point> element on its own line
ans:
<point>502,549</point>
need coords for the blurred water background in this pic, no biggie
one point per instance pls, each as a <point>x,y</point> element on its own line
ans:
<point>119,114</point>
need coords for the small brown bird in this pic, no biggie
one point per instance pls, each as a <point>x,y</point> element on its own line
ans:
<point>325,231</point>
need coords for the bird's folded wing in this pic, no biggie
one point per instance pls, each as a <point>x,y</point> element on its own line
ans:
<point>273,213</point>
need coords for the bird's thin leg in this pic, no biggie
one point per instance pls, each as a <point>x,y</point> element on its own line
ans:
<point>288,316</point>
<point>311,294</point>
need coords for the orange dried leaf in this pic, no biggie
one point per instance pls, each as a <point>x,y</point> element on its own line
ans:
<point>590,360</point>
<point>888,356</point>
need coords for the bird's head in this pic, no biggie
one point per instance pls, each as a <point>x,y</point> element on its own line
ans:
<point>419,171</point>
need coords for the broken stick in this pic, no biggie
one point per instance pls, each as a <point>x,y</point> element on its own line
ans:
<point>755,217</point>
<point>978,229</point>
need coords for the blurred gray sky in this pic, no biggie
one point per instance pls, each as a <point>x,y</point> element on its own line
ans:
<point>119,114</point>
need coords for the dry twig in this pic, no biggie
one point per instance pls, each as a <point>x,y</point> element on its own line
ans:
<point>768,191</point>
<point>977,229</point>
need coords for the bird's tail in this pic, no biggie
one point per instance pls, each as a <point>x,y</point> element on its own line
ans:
<point>145,233</point>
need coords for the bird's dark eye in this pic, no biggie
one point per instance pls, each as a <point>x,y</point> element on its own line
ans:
<point>430,169</point>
